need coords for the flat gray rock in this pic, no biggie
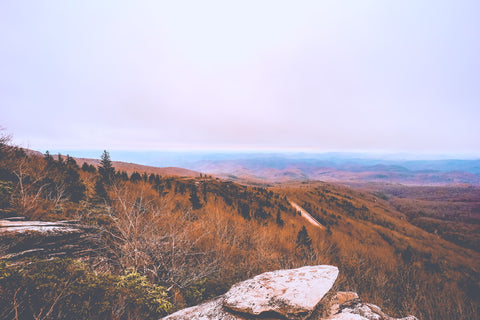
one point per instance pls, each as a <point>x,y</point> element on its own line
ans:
<point>291,293</point>
<point>365,311</point>
<point>37,226</point>
<point>212,310</point>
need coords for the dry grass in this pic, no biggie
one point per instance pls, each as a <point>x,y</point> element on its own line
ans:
<point>233,234</point>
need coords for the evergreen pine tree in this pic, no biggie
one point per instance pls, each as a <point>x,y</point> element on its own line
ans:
<point>59,161</point>
<point>135,177</point>
<point>303,239</point>
<point>244,209</point>
<point>100,190</point>
<point>196,204</point>
<point>261,214</point>
<point>106,169</point>
<point>74,187</point>
<point>151,178</point>
<point>85,167</point>
<point>71,162</point>
<point>204,191</point>
<point>48,159</point>
<point>88,167</point>
<point>279,219</point>
<point>124,176</point>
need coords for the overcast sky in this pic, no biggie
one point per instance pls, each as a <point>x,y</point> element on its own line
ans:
<point>317,75</point>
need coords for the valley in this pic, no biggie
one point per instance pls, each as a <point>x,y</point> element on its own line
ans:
<point>337,167</point>
<point>188,236</point>
<point>451,212</point>
<point>239,160</point>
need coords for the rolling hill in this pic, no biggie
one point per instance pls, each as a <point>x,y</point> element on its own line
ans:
<point>196,235</point>
<point>283,168</point>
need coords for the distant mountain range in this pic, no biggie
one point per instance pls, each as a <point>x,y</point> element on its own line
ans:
<point>281,169</point>
<point>263,167</point>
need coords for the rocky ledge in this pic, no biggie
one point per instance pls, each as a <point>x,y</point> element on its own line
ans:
<point>296,294</point>
<point>27,239</point>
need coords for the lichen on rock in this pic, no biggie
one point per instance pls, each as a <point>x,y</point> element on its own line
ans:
<point>292,293</point>
<point>303,293</point>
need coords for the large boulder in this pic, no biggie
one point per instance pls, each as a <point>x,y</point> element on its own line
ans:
<point>286,294</point>
<point>292,293</point>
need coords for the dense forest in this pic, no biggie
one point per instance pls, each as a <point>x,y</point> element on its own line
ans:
<point>159,243</point>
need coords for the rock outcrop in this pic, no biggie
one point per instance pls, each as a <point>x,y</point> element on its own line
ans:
<point>212,310</point>
<point>27,239</point>
<point>303,293</point>
<point>18,226</point>
<point>348,306</point>
<point>292,293</point>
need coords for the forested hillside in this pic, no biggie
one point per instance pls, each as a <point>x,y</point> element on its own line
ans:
<point>160,243</point>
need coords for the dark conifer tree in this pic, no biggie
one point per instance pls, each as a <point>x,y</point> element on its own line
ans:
<point>71,162</point>
<point>279,219</point>
<point>151,178</point>
<point>196,204</point>
<point>49,160</point>
<point>261,214</point>
<point>74,187</point>
<point>180,188</point>
<point>88,168</point>
<point>85,167</point>
<point>124,176</point>
<point>204,189</point>
<point>135,177</point>
<point>106,169</point>
<point>244,209</point>
<point>100,190</point>
<point>59,161</point>
<point>303,239</point>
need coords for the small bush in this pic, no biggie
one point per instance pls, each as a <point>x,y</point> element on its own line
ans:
<point>68,289</point>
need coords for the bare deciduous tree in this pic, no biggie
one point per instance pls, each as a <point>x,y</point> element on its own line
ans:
<point>5,139</point>
<point>156,239</point>
<point>29,187</point>
<point>58,195</point>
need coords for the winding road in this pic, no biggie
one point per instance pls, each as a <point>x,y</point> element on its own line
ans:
<point>307,216</point>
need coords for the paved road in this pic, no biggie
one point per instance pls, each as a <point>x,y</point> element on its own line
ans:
<point>307,215</point>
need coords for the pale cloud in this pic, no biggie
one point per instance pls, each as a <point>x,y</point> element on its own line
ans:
<point>327,75</point>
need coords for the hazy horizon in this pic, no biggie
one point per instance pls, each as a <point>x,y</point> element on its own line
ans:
<point>341,76</point>
<point>188,157</point>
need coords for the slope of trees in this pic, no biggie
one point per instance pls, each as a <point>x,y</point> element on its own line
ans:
<point>170,242</point>
<point>389,261</point>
